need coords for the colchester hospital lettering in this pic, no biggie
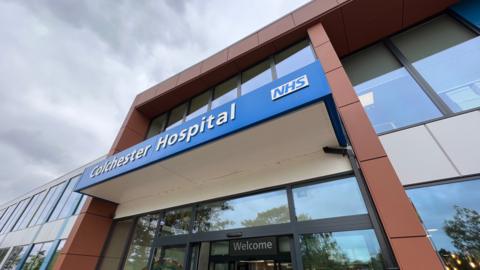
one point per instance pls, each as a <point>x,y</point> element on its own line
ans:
<point>186,134</point>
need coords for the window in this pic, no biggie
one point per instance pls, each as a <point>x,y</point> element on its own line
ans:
<point>67,202</point>
<point>80,205</point>
<point>29,211</point>
<point>293,58</point>
<point>3,253</point>
<point>6,216</point>
<point>329,199</point>
<point>250,211</point>
<point>52,261</point>
<point>116,245</point>
<point>139,252</point>
<point>47,205</point>
<point>157,125</point>
<point>14,257</point>
<point>37,256</point>
<point>450,214</point>
<point>15,215</point>
<point>446,54</point>
<point>341,250</point>
<point>199,105</point>
<point>176,116</point>
<point>176,222</point>
<point>225,92</point>
<point>256,77</point>
<point>391,97</point>
<point>171,258</point>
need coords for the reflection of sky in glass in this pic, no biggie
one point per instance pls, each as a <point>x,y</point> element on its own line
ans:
<point>358,245</point>
<point>247,208</point>
<point>435,205</point>
<point>296,61</point>
<point>455,74</point>
<point>329,199</point>
<point>259,80</point>
<point>395,100</point>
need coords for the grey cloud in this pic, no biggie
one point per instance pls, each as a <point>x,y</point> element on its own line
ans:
<point>70,70</point>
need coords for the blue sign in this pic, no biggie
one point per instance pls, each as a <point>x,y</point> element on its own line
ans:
<point>300,88</point>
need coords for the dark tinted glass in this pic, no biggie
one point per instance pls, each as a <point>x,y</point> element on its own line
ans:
<point>250,211</point>
<point>176,222</point>
<point>327,200</point>
<point>116,245</point>
<point>171,258</point>
<point>341,250</point>
<point>47,204</point>
<point>157,125</point>
<point>225,92</point>
<point>450,213</point>
<point>293,58</point>
<point>176,116</point>
<point>256,77</point>
<point>198,105</point>
<point>140,247</point>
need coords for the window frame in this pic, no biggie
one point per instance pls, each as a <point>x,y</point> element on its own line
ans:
<point>417,77</point>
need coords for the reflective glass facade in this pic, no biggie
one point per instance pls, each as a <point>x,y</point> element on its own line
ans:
<point>418,75</point>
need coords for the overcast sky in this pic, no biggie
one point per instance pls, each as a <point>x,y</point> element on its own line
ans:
<point>69,71</point>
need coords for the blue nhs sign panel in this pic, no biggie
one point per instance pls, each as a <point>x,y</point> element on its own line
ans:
<point>291,92</point>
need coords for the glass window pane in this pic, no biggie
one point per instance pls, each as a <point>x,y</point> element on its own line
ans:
<point>37,256</point>
<point>450,213</point>
<point>176,222</point>
<point>369,63</point>
<point>80,205</point>
<point>51,264</point>
<point>341,250</point>
<point>255,210</point>
<point>431,37</point>
<point>29,211</point>
<point>139,252</point>
<point>6,216</point>
<point>116,245</point>
<point>293,58</point>
<point>330,199</point>
<point>15,215</point>
<point>256,76</point>
<point>157,125</point>
<point>198,105</point>
<point>169,258</point>
<point>3,253</point>
<point>219,248</point>
<point>454,74</point>
<point>68,200</point>
<point>47,204</point>
<point>14,257</point>
<point>175,117</point>
<point>225,92</point>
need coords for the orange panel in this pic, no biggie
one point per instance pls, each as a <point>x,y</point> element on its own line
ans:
<point>276,29</point>
<point>189,73</point>
<point>317,35</point>
<point>243,46</point>
<point>416,253</point>
<point>329,58</point>
<point>214,61</point>
<point>75,262</point>
<point>312,10</point>
<point>342,89</point>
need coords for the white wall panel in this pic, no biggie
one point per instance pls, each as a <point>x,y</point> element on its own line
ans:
<point>416,156</point>
<point>459,137</point>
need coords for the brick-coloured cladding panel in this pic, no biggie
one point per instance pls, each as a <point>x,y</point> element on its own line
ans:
<point>84,246</point>
<point>400,221</point>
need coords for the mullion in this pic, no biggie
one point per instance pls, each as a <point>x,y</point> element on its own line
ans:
<point>424,85</point>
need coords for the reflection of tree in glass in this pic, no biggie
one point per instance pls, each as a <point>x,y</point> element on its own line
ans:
<point>275,215</point>
<point>321,251</point>
<point>464,230</point>
<point>177,222</point>
<point>209,217</point>
<point>141,242</point>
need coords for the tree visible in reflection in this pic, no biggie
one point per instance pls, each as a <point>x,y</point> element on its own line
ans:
<point>140,247</point>
<point>321,251</point>
<point>275,215</point>
<point>464,230</point>
<point>209,217</point>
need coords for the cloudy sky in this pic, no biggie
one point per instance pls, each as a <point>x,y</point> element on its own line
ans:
<point>69,71</point>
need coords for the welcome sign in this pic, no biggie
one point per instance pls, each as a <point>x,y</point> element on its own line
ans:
<point>300,88</point>
<point>253,246</point>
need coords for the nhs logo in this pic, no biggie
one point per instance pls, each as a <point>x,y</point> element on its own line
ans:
<point>289,87</point>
